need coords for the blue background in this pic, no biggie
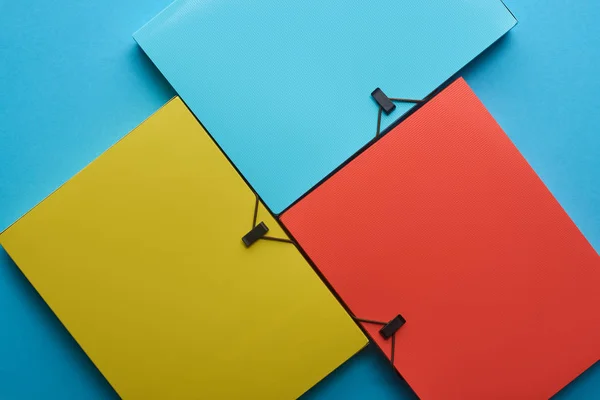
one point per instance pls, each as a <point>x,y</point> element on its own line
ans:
<point>72,82</point>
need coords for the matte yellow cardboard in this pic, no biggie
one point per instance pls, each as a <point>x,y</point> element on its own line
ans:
<point>140,256</point>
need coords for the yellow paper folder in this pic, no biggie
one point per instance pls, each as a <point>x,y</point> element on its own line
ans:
<point>141,257</point>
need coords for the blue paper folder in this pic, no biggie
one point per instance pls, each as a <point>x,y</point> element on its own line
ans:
<point>284,87</point>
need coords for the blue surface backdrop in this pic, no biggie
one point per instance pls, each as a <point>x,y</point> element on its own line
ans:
<point>72,82</point>
<point>542,84</point>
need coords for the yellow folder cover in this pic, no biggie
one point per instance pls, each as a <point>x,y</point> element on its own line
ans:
<point>140,256</point>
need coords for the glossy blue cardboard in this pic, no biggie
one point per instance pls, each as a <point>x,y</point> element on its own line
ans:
<point>284,86</point>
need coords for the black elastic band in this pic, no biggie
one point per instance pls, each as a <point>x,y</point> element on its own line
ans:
<point>401,100</point>
<point>255,211</point>
<point>369,321</point>
<point>397,100</point>
<point>275,239</point>
<point>378,122</point>
<point>383,324</point>
<point>263,231</point>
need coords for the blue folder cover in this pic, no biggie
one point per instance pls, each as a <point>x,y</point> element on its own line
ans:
<point>284,87</point>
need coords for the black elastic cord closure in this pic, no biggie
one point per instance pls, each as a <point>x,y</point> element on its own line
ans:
<point>259,230</point>
<point>378,99</point>
<point>398,321</point>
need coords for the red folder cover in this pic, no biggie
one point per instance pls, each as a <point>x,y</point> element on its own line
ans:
<point>445,223</point>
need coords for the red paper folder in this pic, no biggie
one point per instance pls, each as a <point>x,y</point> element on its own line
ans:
<point>443,222</point>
